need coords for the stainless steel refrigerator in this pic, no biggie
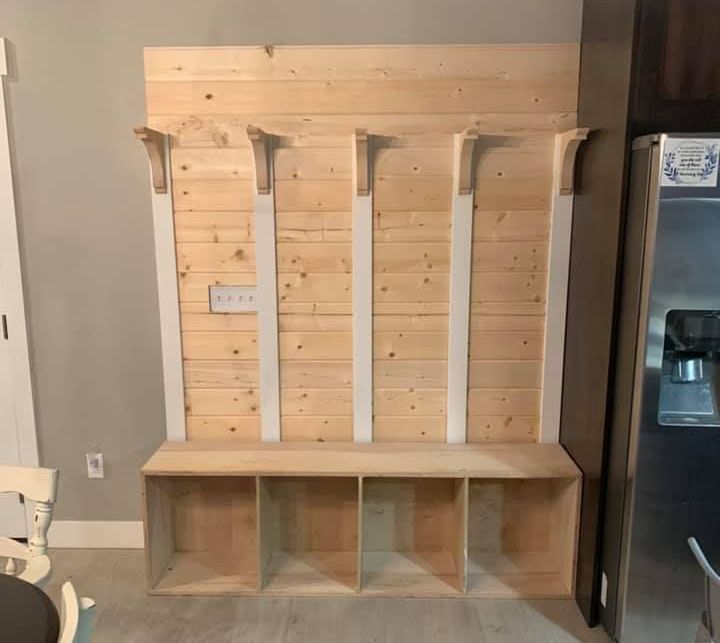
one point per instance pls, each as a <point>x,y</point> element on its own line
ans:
<point>664,458</point>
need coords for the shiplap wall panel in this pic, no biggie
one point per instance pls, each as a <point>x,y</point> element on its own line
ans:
<point>509,262</point>
<point>413,100</point>
<point>411,181</point>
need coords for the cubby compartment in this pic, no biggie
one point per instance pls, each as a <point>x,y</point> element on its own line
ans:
<point>522,537</point>
<point>201,535</point>
<point>413,534</point>
<point>309,534</point>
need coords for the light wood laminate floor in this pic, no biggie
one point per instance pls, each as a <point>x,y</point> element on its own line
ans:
<point>115,579</point>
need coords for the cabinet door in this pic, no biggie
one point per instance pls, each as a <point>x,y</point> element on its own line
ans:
<point>677,84</point>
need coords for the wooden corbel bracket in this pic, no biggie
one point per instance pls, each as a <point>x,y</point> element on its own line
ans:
<point>569,143</point>
<point>466,152</point>
<point>362,162</point>
<point>155,145</point>
<point>261,146</point>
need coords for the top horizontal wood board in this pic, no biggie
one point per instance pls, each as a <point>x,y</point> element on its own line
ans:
<point>424,460</point>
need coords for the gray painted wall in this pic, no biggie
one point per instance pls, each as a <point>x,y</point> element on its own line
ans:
<point>84,200</point>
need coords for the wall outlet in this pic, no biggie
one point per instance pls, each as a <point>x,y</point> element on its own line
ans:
<point>603,590</point>
<point>233,299</point>
<point>95,465</point>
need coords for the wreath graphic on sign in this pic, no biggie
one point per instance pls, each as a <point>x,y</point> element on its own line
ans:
<point>710,163</point>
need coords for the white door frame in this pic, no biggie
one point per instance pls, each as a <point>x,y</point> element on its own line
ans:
<point>14,300</point>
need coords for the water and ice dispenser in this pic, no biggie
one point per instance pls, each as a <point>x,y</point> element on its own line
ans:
<point>690,371</point>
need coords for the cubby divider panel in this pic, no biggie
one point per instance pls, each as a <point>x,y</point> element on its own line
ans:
<point>201,534</point>
<point>522,537</point>
<point>413,536</point>
<point>309,534</point>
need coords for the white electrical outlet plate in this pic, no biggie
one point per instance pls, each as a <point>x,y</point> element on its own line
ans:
<point>95,465</point>
<point>233,299</point>
<point>604,590</point>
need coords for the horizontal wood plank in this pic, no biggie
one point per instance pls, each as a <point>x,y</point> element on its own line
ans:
<point>503,401</point>
<point>502,429</point>
<point>434,96</point>
<point>460,460</point>
<point>511,62</point>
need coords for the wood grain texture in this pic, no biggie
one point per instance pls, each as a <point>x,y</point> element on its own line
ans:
<point>412,99</point>
<point>379,460</point>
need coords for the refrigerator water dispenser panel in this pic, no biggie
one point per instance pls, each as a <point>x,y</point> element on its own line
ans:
<point>689,378</point>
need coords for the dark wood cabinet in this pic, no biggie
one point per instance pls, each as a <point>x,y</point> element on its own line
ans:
<point>677,75</point>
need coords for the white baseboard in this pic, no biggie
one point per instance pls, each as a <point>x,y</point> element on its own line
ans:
<point>96,534</point>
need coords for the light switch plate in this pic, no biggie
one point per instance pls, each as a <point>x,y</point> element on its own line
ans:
<point>233,299</point>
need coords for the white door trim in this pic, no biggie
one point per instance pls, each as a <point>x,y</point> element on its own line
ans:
<point>14,301</point>
<point>11,274</point>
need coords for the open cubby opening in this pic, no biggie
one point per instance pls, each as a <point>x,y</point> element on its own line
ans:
<point>202,534</point>
<point>521,537</point>
<point>309,534</point>
<point>413,535</point>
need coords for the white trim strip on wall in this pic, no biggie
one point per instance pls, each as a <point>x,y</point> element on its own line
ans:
<point>12,283</point>
<point>266,267</point>
<point>96,534</point>
<point>362,302</point>
<point>557,289</point>
<point>13,300</point>
<point>459,320</point>
<point>168,301</point>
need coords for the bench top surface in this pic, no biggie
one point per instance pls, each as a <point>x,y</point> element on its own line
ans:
<point>352,459</point>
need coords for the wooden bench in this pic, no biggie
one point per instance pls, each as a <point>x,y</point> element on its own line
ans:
<point>376,519</point>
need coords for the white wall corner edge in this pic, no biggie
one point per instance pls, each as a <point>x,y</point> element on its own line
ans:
<point>96,534</point>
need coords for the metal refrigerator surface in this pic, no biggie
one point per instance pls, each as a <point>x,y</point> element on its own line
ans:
<point>673,476</point>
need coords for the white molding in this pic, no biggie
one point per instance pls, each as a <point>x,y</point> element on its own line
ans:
<point>557,287</point>
<point>460,277</point>
<point>169,305</point>
<point>266,270</point>
<point>96,534</point>
<point>362,293</point>
<point>14,303</point>
<point>12,283</point>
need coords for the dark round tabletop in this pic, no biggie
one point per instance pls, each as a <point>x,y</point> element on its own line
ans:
<point>26,613</point>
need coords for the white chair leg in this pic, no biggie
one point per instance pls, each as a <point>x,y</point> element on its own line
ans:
<point>11,567</point>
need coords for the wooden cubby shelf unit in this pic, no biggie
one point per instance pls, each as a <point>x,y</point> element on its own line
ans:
<point>340,519</point>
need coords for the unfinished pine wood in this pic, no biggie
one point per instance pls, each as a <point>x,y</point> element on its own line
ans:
<point>411,268</point>
<point>507,336</point>
<point>201,533</point>
<point>510,62</point>
<point>412,100</point>
<point>378,460</point>
<point>521,538</point>
<point>294,519</point>
<point>309,531</point>
<point>413,536</point>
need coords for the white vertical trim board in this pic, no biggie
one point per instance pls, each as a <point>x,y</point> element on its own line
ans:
<point>96,534</point>
<point>266,250</point>
<point>168,301</point>
<point>557,285</point>
<point>12,285</point>
<point>17,519</point>
<point>362,299</point>
<point>459,321</point>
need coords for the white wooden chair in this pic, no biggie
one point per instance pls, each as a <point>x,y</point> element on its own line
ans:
<point>40,486</point>
<point>708,629</point>
<point>77,616</point>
